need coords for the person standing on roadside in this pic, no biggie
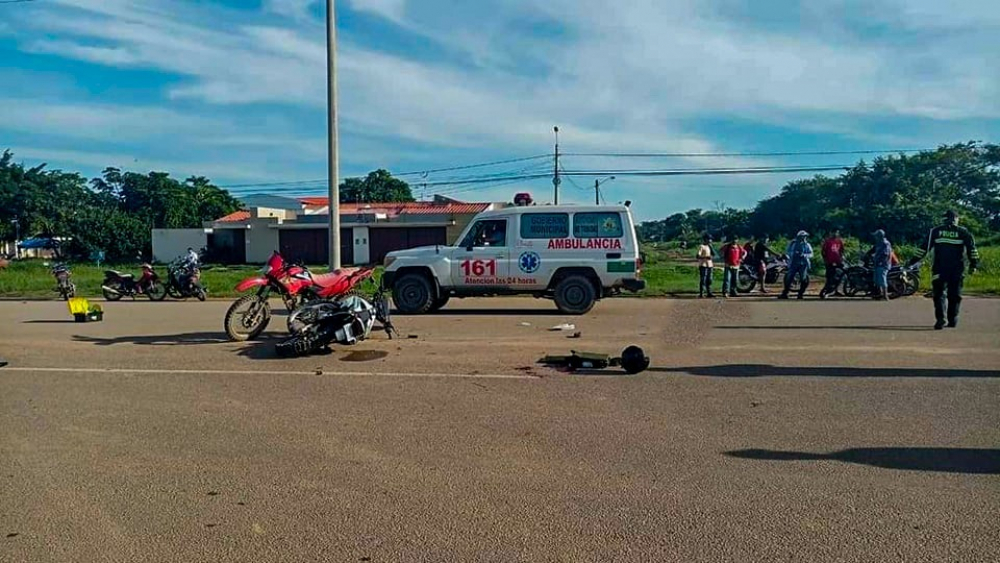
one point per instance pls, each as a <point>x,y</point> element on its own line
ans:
<point>732,256</point>
<point>761,255</point>
<point>833,259</point>
<point>951,244</point>
<point>800,254</point>
<point>881,262</point>
<point>704,256</point>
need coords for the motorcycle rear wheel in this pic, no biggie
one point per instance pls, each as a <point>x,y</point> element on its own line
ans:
<point>238,326</point>
<point>745,283</point>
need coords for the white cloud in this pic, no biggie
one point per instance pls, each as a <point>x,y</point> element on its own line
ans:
<point>392,10</point>
<point>295,9</point>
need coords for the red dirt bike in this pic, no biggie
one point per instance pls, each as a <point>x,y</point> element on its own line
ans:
<point>117,285</point>
<point>249,315</point>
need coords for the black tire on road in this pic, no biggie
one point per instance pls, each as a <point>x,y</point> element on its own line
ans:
<point>575,295</point>
<point>413,294</point>
<point>237,327</point>
<point>110,295</point>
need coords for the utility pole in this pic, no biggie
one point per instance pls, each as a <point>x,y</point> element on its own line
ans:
<point>597,188</point>
<point>333,158</point>
<point>556,180</point>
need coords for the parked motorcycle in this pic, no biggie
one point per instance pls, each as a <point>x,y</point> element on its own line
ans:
<point>64,286</point>
<point>904,280</point>
<point>249,315</point>
<point>184,281</point>
<point>344,321</point>
<point>747,278</point>
<point>117,285</point>
<point>901,280</point>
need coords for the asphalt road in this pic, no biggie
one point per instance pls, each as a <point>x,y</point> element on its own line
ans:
<point>764,431</point>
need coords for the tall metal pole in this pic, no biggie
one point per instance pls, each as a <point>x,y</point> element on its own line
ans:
<point>333,159</point>
<point>556,180</point>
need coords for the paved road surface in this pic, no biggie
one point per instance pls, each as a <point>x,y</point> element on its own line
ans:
<point>766,431</point>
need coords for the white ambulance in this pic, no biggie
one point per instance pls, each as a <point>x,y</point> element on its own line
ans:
<point>574,255</point>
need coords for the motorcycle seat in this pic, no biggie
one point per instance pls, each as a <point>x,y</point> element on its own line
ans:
<point>119,274</point>
<point>334,278</point>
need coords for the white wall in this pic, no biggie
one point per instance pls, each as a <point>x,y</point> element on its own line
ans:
<point>171,243</point>
<point>261,241</point>
<point>361,245</point>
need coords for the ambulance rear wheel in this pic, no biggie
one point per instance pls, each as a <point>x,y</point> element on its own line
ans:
<point>575,295</point>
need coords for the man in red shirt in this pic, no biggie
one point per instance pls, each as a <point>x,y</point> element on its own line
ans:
<point>733,255</point>
<point>833,258</point>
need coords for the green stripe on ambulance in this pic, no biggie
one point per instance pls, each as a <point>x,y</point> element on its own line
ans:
<point>621,266</point>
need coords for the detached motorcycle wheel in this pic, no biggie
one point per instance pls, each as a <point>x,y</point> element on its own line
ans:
<point>247,317</point>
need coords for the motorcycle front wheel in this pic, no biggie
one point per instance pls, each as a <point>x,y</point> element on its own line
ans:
<point>111,295</point>
<point>156,292</point>
<point>200,293</point>
<point>247,317</point>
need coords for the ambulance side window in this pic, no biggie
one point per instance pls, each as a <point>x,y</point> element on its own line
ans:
<point>544,225</point>
<point>598,225</point>
<point>491,232</point>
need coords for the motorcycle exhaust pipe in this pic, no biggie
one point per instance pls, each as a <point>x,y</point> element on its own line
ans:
<point>111,289</point>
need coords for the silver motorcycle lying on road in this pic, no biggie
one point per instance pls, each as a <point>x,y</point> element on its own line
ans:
<point>346,321</point>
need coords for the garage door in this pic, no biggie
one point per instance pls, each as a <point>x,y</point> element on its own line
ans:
<point>310,246</point>
<point>385,240</point>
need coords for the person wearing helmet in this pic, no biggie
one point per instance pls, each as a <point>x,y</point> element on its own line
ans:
<point>800,254</point>
<point>881,255</point>
<point>951,244</point>
<point>704,256</point>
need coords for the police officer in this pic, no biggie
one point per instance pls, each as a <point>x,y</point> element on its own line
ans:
<point>951,244</point>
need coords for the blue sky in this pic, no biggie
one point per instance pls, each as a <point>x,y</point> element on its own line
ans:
<point>235,90</point>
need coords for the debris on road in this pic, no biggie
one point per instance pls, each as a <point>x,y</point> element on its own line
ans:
<point>564,326</point>
<point>633,360</point>
<point>576,334</point>
<point>525,324</point>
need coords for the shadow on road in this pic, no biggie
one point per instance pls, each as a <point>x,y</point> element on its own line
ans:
<point>820,327</point>
<point>493,312</point>
<point>49,322</point>
<point>948,460</point>
<point>157,339</point>
<point>764,370</point>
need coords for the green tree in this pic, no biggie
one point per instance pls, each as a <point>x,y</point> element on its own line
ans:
<point>378,187</point>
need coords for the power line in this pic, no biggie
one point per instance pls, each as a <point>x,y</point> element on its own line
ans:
<point>486,179</point>
<point>469,166</point>
<point>742,154</point>
<point>414,173</point>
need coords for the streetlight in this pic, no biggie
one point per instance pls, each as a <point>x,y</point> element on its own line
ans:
<point>597,189</point>
<point>333,158</point>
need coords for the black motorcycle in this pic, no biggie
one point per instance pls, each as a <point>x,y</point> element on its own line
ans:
<point>747,278</point>
<point>902,281</point>
<point>345,321</point>
<point>117,285</point>
<point>184,281</point>
<point>64,285</point>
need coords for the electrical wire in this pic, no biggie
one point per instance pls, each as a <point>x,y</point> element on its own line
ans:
<point>742,154</point>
